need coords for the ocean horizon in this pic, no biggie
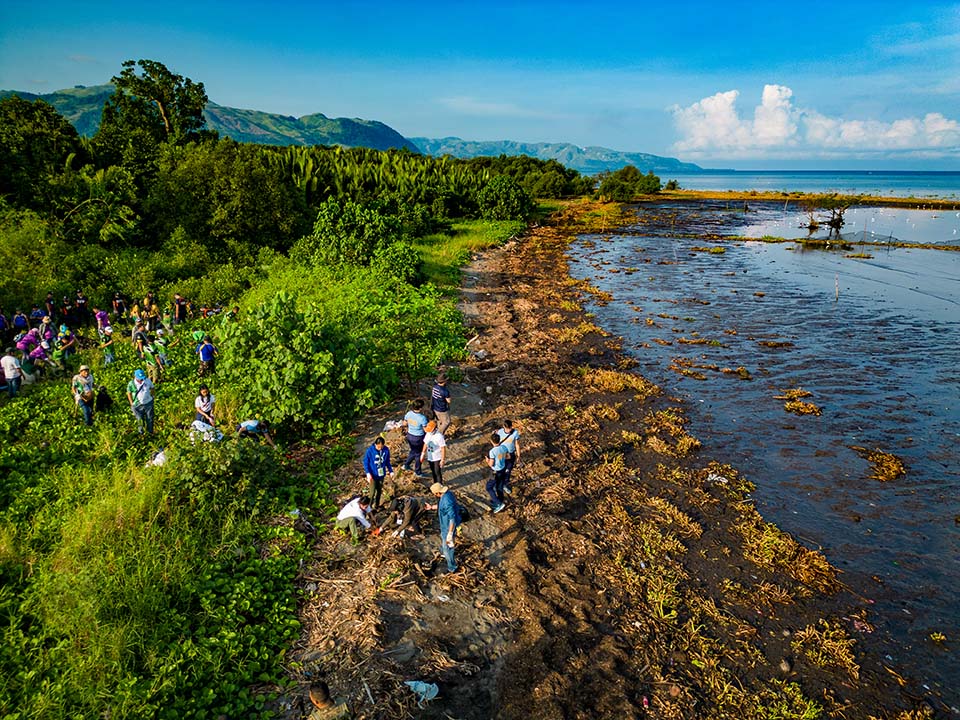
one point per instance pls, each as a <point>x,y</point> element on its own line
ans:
<point>920,184</point>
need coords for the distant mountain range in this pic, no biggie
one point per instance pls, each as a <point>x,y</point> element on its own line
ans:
<point>587,160</point>
<point>82,106</point>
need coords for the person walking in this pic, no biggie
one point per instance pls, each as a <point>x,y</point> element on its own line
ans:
<point>354,515</point>
<point>376,464</point>
<point>509,438</point>
<point>83,395</point>
<point>440,402</point>
<point>434,451</point>
<point>205,404</point>
<point>12,371</point>
<point>414,423</point>
<point>497,461</point>
<point>106,344</point>
<point>448,511</point>
<point>140,397</point>
<point>208,357</point>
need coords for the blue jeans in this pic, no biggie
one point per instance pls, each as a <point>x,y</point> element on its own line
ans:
<point>447,554</point>
<point>144,414</point>
<point>416,448</point>
<point>495,487</point>
<point>87,407</point>
<point>508,473</point>
<point>13,385</point>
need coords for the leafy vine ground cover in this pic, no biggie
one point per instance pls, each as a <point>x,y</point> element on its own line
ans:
<point>168,591</point>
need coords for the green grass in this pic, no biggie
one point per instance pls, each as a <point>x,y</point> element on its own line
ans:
<point>444,254</point>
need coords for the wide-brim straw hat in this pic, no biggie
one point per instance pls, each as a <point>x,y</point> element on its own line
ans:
<point>438,489</point>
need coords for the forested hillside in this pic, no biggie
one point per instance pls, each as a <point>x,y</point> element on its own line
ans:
<point>133,589</point>
<point>83,106</point>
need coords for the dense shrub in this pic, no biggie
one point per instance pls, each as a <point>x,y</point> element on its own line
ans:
<point>504,199</point>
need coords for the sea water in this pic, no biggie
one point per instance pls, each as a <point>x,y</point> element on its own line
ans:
<point>851,182</point>
<point>876,340</point>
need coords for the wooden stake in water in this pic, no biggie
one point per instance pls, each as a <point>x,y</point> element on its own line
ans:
<point>836,286</point>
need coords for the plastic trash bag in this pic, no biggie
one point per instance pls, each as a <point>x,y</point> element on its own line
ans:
<point>425,692</point>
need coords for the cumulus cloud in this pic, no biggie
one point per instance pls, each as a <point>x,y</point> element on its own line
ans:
<point>715,125</point>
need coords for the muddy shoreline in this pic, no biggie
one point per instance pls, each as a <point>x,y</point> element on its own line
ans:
<point>629,577</point>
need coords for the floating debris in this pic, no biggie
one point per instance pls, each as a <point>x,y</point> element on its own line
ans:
<point>886,466</point>
<point>795,405</point>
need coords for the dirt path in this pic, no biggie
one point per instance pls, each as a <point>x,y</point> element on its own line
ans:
<point>628,577</point>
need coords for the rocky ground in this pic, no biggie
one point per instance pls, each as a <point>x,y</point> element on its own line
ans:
<point>629,577</point>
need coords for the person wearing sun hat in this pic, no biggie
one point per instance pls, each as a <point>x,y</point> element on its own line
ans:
<point>448,511</point>
<point>82,388</point>
<point>140,397</point>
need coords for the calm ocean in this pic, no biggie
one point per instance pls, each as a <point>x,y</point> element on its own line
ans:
<point>854,182</point>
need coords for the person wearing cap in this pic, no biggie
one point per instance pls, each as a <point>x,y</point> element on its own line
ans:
<point>162,345</point>
<point>47,330</point>
<point>354,515</point>
<point>82,389</point>
<point>140,397</point>
<point>448,511</point>
<point>376,464</point>
<point>106,344</point>
<point>12,371</point>
<point>414,423</point>
<point>497,461</point>
<point>50,305</point>
<point>66,342</point>
<point>434,451</point>
<point>440,402</point>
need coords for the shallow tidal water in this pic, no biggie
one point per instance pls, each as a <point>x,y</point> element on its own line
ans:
<point>882,360</point>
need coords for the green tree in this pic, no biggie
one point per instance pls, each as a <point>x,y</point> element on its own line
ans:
<point>35,145</point>
<point>151,97</point>
<point>347,232</point>
<point>503,199</point>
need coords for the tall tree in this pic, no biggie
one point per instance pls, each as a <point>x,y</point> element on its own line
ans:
<point>35,144</point>
<point>152,98</point>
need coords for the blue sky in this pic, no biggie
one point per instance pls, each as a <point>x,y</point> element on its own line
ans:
<point>745,85</point>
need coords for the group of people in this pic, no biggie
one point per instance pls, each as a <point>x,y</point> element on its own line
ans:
<point>427,444</point>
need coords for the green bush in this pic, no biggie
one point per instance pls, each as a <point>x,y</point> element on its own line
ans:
<point>504,199</point>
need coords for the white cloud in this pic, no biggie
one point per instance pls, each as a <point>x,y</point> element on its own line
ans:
<point>779,128</point>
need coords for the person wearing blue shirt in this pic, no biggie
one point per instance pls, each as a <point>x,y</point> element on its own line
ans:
<point>208,357</point>
<point>449,514</point>
<point>497,461</point>
<point>376,464</point>
<point>509,438</point>
<point>415,423</point>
